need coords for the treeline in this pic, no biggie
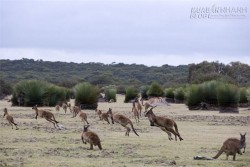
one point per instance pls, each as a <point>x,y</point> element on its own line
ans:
<point>121,75</point>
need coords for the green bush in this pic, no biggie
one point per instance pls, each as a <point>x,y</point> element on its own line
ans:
<point>5,89</point>
<point>131,94</point>
<point>155,90</point>
<point>55,95</point>
<point>110,94</point>
<point>29,93</point>
<point>193,96</point>
<point>169,93</point>
<point>248,94</point>
<point>143,91</point>
<point>243,95</point>
<point>179,94</point>
<point>209,92</point>
<point>86,95</point>
<point>228,95</point>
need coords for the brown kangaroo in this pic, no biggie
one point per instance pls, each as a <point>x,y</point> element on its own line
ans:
<point>99,113</point>
<point>105,116</point>
<point>75,111</point>
<point>139,107</point>
<point>135,112</point>
<point>47,115</point>
<point>64,106</point>
<point>122,120</point>
<point>232,146</point>
<point>9,118</point>
<point>90,137</point>
<point>83,117</point>
<point>163,122</point>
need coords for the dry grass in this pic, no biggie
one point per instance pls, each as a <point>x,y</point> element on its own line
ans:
<point>37,143</point>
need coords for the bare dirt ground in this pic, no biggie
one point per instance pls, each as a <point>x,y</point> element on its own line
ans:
<point>38,143</point>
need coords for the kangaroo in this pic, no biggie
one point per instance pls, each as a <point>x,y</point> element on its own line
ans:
<point>57,108</point>
<point>232,146</point>
<point>99,113</point>
<point>122,120</point>
<point>75,111</point>
<point>163,122</point>
<point>83,117</point>
<point>136,112</point>
<point>64,106</point>
<point>139,107</point>
<point>104,116</point>
<point>47,115</point>
<point>9,118</point>
<point>90,137</point>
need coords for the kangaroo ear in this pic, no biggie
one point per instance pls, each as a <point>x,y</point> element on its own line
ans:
<point>245,133</point>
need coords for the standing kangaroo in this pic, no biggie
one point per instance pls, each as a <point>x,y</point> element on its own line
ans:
<point>232,146</point>
<point>122,120</point>
<point>90,137</point>
<point>46,114</point>
<point>135,112</point>
<point>163,122</point>
<point>9,118</point>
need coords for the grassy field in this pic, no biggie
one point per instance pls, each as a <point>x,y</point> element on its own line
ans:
<point>38,143</point>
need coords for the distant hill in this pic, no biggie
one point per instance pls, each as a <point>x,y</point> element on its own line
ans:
<point>69,74</point>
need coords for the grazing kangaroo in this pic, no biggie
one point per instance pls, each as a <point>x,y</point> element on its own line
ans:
<point>90,137</point>
<point>122,120</point>
<point>83,117</point>
<point>232,146</point>
<point>163,122</point>
<point>9,118</point>
<point>136,112</point>
<point>47,115</point>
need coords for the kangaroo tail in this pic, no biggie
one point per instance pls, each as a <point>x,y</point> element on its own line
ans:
<point>218,154</point>
<point>133,128</point>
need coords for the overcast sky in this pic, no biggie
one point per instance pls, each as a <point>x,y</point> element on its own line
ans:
<point>141,32</point>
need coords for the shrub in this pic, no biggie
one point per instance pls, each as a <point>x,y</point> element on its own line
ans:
<point>248,94</point>
<point>228,97</point>
<point>5,89</point>
<point>179,94</point>
<point>155,90</point>
<point>55,95</point>
<point>143,91</point>
<point>209,92</point>
<point>131,94</point>
<point>29,93</point>
<point>243,95</point>
<point>193,97</point>
<point>110,94</point>
<point>169,92</point>
<point>86,95</point>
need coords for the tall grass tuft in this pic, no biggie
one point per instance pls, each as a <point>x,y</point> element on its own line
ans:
<point>131,94</point>
<point>155,90</point>
<point>228,97</point>
<point>110,94</point>
<point>193,97</point>
<point>86,95</point>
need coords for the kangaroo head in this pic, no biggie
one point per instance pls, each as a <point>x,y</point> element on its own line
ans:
<point>243,137</point>
<point>109,111</point>
<point>149,112</point>
<point>35,107</point>
<point>85,128</point>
